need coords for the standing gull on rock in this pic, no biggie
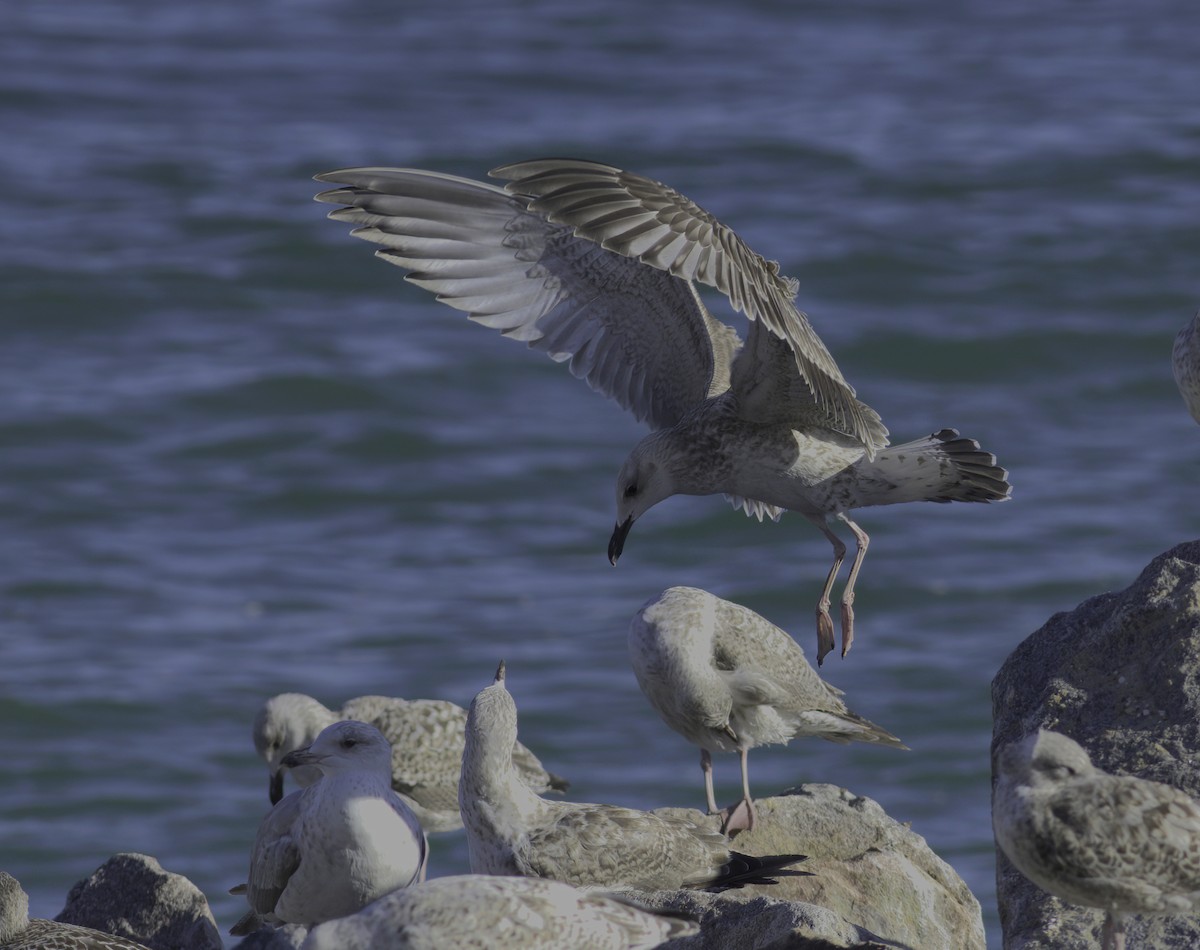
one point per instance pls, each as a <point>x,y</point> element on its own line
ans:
<point>1123,844</point>
<point>18,931</point>
<point>1185,361</point>
<point>511,831</point>
<point>330,849</point>
<point>427,746</point>
<point>598,266</point>
<point>729,680</point>
<point>482,912</point>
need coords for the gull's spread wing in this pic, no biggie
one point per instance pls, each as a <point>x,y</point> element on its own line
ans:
<point>652,223</point>
<point>634,332</point>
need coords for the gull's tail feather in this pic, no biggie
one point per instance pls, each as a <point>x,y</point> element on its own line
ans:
<point>941,467</point>
<point>557,783</point>
<point>851,727</point>
<point>743,869</point>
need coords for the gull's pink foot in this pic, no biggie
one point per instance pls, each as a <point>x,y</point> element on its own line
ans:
<point>739,817</point>
<point>824,633</point>
<point>847,626</point>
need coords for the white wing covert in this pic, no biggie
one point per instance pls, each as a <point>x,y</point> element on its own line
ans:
<point>633,332</point>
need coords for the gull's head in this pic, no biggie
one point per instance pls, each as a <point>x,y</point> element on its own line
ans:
<point>492,718</point>
<point>346,747</point>
<point>645,480</point>
<point>285,723</point>
<point>1044,759</point>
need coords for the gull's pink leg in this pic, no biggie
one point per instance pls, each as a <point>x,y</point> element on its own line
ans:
<point>848,594</point>
<point>824,624</point>
<point>1112,936</point>
<point>741,817</point>
<point>706,768</point>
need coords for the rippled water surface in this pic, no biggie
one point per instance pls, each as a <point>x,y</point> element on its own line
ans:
<point>238,455</point>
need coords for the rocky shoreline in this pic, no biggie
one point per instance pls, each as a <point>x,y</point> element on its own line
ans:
<point>871,883</point>
<point>1120,673</point>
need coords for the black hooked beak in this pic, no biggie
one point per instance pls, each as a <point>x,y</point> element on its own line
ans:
<point>275,789</point>
<point>299,757</point>
<point>616,544</point>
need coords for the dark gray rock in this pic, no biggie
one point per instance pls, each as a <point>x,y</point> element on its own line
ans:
<point>130,895</point>
<point>1120,675</point>
<point>872,882</point>
<point>287,937</point>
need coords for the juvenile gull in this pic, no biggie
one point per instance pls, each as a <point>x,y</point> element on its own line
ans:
<point>1123,844</point>
<point>512,831</point>
<point>729,680</point>
<point>1185,361</point>
<point>330,849</point>
<point>18,931</point>
<point>599,266</point>
<point>427,745</point>
<point>481,912</point>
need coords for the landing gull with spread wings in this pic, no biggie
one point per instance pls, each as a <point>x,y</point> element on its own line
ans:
<point>598,266</point>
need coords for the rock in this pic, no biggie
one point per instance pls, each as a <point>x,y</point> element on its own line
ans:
<point>761,923</point>
<point>287,937</point>
<point>1120,675</point>
<point>18,931</point>
<point>872,882</point>
<point>130,895</point>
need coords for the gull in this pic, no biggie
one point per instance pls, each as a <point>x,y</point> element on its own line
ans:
<point>19,931</point>
<point>482,912</point>
<point>1185,361</point>
<point>512,831</point>
<point>330,849</point>
<point>1123,844</point>
<point>598,266</point>
<point>729,680</point>
<point>427,744</point>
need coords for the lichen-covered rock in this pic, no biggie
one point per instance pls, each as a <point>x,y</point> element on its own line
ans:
<point>1120,675</point>
<point>130,895</point>
<point>871,881</point>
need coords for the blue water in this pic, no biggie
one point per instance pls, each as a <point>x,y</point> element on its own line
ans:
<point>238,455</point>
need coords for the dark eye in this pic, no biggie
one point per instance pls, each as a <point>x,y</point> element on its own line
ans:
<point>348,743</point>
<point>631,490</point>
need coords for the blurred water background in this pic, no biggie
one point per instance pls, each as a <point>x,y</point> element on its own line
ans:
<point>239,455</point>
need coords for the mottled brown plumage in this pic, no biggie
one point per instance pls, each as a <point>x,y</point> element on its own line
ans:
<point>483,912</point>
<point>1185,363</point>
<point>729,680</point>
<point>427,743</point>
<point>18,931</point>
<point>512,831</point>
<point>1123,844</point>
